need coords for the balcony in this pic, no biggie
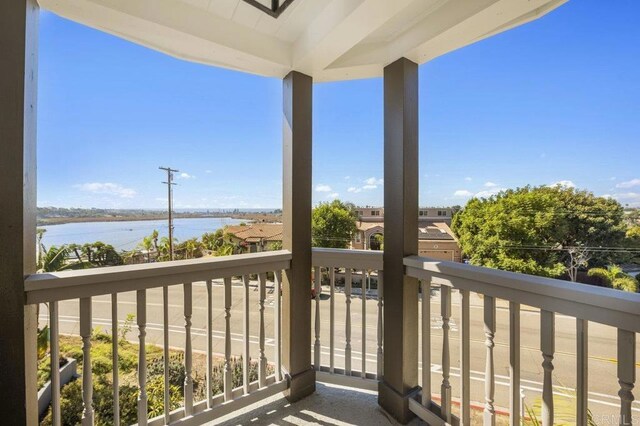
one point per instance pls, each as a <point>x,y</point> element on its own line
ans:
<point>383,331</point>
<point>227,307</point>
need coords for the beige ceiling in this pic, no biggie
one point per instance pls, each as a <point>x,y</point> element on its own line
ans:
<point>327,39</point>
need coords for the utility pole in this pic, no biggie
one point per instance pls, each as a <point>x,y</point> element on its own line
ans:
<point>170,184</point>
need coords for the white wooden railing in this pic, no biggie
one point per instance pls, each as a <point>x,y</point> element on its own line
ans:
<point>361,266</point>
<point>585,303</point>
<point>82,285</point>
<point>340,329</point>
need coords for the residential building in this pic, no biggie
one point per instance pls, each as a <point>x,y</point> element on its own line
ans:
<point>435,239</point>
<point>301,42</point>
<point>425,214</point>
<point>255,237</point>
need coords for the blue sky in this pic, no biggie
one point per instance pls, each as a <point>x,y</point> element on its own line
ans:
<point>557,100</point>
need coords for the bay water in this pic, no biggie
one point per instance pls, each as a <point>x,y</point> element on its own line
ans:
<point>127,235</point>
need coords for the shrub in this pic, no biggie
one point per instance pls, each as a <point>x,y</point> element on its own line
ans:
<point>177,373</point>
<point>73,352</point>
<point>98,335</point>
<point>128,404</point>
<point>70,405</point>
<point>127,361</point>
<point>44,369</point>
<point>103,401</point>
<point>155,392</point>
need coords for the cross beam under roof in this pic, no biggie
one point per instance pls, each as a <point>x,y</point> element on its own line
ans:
<point>276,8</point>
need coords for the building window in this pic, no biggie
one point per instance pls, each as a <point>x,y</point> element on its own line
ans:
<point>375,212</point>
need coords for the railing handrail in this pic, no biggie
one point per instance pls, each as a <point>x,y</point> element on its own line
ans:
<point>602,305</point>
<point>53,286</point>
<point>347,258</point>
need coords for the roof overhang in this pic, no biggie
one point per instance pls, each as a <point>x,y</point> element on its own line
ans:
<point>327,39</point>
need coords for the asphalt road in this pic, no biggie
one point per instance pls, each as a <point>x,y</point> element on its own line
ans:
<point>603,399</point>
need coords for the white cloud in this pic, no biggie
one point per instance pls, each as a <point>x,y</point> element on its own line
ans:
<point>468,179</point>
<point>490,185</point>
<point>186,176</point>
<point>462,193</point>
<point>354,189</point>
<point>208,171</point>
<point>628,196</point>
<point>333,195</point>
<point>369,186</point>
<point>563,184</point>
<point>373,181</point>
<point>323,188</point>
<point>629,184</point>
<point>347,177</point>
<point>632,199</point>
<point>489,192</point>
<point>107,188</point>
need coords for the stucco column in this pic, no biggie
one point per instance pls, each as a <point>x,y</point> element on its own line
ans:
<point>400,370</point>
<point>18,84</point>
<point>296,218</point>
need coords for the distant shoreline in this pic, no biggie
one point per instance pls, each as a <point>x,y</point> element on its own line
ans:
<point>249,217</point>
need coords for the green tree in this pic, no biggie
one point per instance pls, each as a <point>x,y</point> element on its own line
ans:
<point>163,248</point>
<point>633,234</point>
<point>147,244</point>
<point>190,249</point>
<point>54,259</point>
<point>213,240</point>
<point>333,224</point>
<point>544,231</point>
<point>99,254</point>
<point>613,276</point>
<point>274,245</point>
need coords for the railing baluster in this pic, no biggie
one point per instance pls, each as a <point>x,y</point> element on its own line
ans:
<point>363,286</point>
<point>87,379</point>
<point>228,385</point>
<point>141,308</point>
<point>347,348</point>
<point>514,363</point>
<point>547,345</point>
<point>425,294</point>
<point>582,371</point>
<point>114,359</point>
<point>188,353</point>
<point>55,363</point>
<point>626,373</point>
<point>332,278</point>
<point>489,376</point>
<point>316,345</point>
<point>246,354</point>
<point>209,329</point>
<point>262,367</point>
<point>165,353</point>
<point>380,357</point>
<point>445,388</point>
<point>278,323</point>
<point>465,358</point>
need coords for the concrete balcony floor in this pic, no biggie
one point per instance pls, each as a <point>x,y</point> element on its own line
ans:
<point>329,405</point>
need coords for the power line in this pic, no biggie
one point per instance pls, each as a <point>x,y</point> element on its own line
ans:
<point>170,184</point>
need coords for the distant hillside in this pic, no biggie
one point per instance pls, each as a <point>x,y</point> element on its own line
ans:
<point>59,215</point>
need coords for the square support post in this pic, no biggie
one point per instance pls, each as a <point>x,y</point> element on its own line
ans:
<point>400,375</point>
<point>18,328</point>
<point>296,217</point>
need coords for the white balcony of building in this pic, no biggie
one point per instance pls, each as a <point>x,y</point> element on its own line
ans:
<point>364,350</point>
